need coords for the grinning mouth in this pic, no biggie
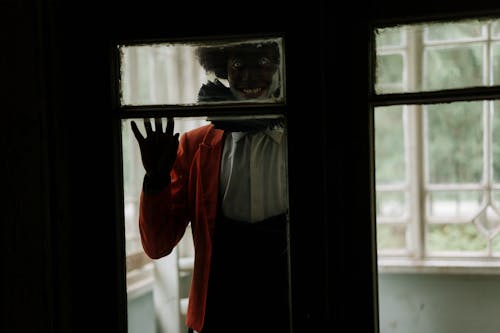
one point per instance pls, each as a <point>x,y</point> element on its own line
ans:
<point>252,92</point>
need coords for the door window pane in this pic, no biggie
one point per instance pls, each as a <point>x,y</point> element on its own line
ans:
<point>172,73</point>
<point>436,56</point>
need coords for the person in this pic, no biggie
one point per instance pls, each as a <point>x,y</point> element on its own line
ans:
<point>228,179</point>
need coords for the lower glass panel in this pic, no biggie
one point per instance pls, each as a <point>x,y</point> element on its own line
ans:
<point>252,223</point>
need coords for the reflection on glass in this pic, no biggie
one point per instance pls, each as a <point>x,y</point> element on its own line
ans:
<point>437,56</point>
<point>200,72</point>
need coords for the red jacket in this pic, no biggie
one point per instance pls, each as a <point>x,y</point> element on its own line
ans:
<point>191,197</point>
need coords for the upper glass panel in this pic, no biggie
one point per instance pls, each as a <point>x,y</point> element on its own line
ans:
<point>207,72</point>
<point>437,56</point>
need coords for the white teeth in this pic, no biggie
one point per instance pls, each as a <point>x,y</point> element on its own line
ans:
<point>252,91</point>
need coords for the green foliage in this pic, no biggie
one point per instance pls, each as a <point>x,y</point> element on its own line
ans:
<point>455,237</point>
<point>495,147</point>
<point>389,145</point>
<point>455,142</point>
<point>453,67</point>
<point>391,236</point>
<point>389,73</point>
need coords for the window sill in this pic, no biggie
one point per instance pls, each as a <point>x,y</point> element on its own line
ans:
<point>439,266</point>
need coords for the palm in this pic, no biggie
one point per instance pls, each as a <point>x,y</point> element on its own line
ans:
<point>158,148</point>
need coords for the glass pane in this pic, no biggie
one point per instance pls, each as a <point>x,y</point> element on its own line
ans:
<point>495,244</point>
<point>133,174</point>
<point>454,31</point>
<point>495,142</point>
<point>454,204</point>
<point>392,204</point>
<point>495,63</point>
<point>391,236</point>
<point>390,144</point>
<point>495,28</point>
<point>453,67</point>
<point>495,197</point>
<point>248,212</point>
<point>132,178</point>
<point>435,56</point>
<point>389,37</point>
<point>454,237</point>
<point>389,73</point>
<point>455,142</point>
<point>201,72</point>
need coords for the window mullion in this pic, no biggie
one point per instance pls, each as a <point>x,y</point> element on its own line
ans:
<point>415,123</point>
<point>487,157</point>
<point>416,168</point>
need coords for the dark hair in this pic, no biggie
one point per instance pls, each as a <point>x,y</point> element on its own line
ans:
<point>214,58</point>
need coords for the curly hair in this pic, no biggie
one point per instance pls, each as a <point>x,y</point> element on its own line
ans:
<point>214,58</point>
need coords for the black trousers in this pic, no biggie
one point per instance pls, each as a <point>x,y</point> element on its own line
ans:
<point>248,286</point>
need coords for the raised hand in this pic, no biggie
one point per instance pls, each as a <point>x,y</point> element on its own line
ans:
<point>158,149</point>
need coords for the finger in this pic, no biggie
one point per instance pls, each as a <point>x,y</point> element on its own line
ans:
<point>170,126</point>
<point>158,125</point>
<point>137,133</point>
<point>147,125</point>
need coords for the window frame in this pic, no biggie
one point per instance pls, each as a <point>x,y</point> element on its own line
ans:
<point>419,262</point>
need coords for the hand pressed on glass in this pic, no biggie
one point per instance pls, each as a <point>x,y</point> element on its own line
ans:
<point>158,150</point>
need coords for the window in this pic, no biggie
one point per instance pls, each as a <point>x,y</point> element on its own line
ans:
<point>437,146</point>
<point>159,80</point>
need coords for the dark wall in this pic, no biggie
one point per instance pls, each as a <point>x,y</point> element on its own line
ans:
<point>24,215</point>
<point>61,245</point>
<point>61,242</point>
<point>58,219</point>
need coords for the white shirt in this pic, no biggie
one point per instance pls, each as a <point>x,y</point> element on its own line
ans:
<point>253,175</point>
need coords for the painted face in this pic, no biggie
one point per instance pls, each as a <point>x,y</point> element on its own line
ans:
<point>252,73</point>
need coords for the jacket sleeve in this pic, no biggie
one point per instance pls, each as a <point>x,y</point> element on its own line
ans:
<point>164,215</point>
